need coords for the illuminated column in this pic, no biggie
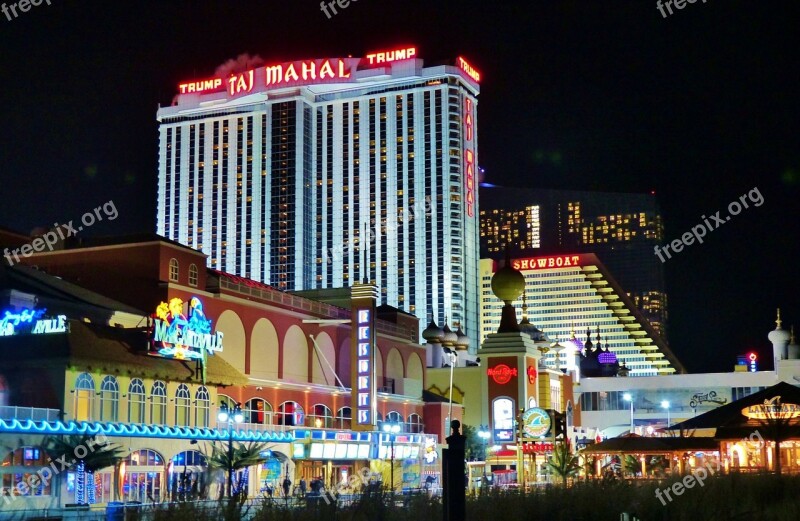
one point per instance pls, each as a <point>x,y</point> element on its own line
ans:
<point>364,404</point>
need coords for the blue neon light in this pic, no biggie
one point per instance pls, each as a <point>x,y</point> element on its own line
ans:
<point>11,320</point>
<point>138,431</point>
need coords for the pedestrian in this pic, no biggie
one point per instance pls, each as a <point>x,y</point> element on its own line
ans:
<point>287,484</point>
<point>302,487</point>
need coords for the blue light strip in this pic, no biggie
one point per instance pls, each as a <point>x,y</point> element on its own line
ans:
<point>138,431</point>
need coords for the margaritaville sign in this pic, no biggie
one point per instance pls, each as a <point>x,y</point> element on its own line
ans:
<point>176,335</point>
<point>31,322</point>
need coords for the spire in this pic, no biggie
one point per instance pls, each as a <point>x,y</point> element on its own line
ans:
<point>778,321</point>
<point>572,330</point>
<point>598,335</point>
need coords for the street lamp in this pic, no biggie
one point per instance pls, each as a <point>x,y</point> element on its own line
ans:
<point>665,405</point>
<point>484,434</point>
<point>225,415</point>
<point>391,429</point>
<point>453,357</point>
<point>628,398</point>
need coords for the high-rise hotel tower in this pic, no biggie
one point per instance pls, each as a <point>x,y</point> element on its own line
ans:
<point>295,173</point>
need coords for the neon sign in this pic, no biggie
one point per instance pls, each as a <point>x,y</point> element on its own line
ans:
<point>531,374</point>
<point>364,358</point>
<point>30,321</point>
<point>391,56</point>
<point>175,336</point>
<point>288,74</point>
<point>469,70</point>
<point>501,373</point>
<point>534,263</point>
<point>469,157</point>
<point>753,362</point>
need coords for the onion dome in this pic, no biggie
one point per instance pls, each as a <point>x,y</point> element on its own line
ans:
<point>433,334</point>
<point>449,338</point>
<point>624,370</point>
<point>463,340</point>
<point>778,336</point>
<point>587,347</point>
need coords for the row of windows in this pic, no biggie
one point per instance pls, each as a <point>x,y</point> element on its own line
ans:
<point>141,408</point>
<point>258,411</point>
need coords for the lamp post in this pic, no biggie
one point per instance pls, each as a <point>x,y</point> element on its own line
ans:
<point>628,398</point>
<point>665,405</point>
<point>225,415</point>
<point>483,433</point>
<point>392,429</point>
<point>453,357</point>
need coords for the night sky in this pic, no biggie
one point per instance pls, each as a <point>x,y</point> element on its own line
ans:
<point>700,107</point>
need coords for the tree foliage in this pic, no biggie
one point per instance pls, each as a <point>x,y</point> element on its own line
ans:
<point>564,463</point>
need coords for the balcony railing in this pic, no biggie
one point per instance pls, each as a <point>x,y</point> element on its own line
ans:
<point>9,412</point>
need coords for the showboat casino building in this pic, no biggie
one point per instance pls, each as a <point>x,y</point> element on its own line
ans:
<point>316,174</point>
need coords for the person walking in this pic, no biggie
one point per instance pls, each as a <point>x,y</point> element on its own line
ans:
<point>302,487</point>
<point>287,484</point>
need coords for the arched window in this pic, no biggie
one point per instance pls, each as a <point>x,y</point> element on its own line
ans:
<point>158,403</point>
<point>173,270</point>
<point>183,401</point>
<point>192,274</point>
<point>290,413</point>
<point>395,417</point>
<point>202,406</point>
<point>136,396</point>
<point>144,476</point>
<point>84,398</point>
<point>343,417</point>
<point>414,423</point>
<point>258,411</point>
<point>109,399</point>
<point>321,417</point>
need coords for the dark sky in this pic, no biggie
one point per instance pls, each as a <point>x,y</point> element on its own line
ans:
<point>700,107</point>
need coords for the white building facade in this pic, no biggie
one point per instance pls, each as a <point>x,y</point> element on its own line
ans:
<point>305,174</point>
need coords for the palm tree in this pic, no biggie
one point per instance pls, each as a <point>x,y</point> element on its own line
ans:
<point>563,462</point>
<point>86,455</point>
<point>244,455</point>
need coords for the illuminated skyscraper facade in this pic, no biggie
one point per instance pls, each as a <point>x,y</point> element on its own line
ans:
<point>319,173</point>
<point>620,228</point>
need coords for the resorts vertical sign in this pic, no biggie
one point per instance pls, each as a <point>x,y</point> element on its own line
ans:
<point>363,297</point>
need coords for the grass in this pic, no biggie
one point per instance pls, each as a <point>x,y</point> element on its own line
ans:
<point>732,497</point>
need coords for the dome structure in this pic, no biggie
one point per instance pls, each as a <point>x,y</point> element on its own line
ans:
<point>508,284</point>
<point>793,349</point>
<point>779,335</point>
<point>463,340</point>
<point>449,338</point>
<point>433,334</point>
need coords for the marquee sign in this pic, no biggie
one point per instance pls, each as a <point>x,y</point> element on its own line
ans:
<point>180,337</point>
<point>469,156</point>
<point>536,422</point>
<point>31,322</point>
<point>306,72</point>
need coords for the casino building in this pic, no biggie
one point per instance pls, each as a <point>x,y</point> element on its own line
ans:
<point>566,295</point>
<point>315,174</point>
<point>135,340</point>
